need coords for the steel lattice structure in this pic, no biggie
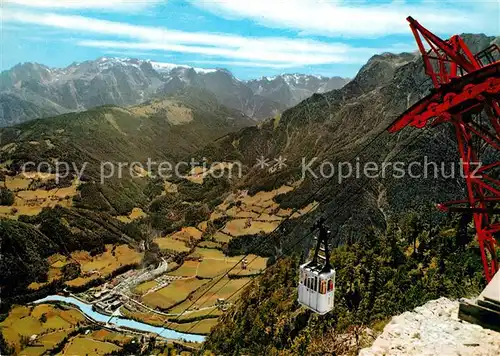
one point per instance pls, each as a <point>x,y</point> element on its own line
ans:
<point>466,91</point>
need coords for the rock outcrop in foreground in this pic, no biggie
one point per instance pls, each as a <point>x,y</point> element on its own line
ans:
<point>434,329</point>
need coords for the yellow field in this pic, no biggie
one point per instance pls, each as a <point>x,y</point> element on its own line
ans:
<point>267,217</point>
<point>31,201</point>
<point>170,187</point>
<point>255,264</point>
<point>49,325</point>
<point>176,112</point>
<point>240,227</point>
<point>146,317</point>
<point>82,345</point>
<point>24,321</point>
<point>214,263</point>
<point>81,281</point>
<point>198,174</point>
<point>17,183</point>
<point>104,264</point>
<point>168,243</point>
<point>135,214</point>
<point>251,215</point>
<point>106,335</point>
<point>202,226</point>
<point>45,342</point>
<point>187,234</point>
<point>173,293</point>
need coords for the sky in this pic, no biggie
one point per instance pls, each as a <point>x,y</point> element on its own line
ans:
<point>251,38</point>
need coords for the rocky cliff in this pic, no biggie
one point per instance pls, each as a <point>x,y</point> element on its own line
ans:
<point>434,329</point>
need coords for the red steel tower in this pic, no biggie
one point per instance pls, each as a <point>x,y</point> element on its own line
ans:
<point>467,95</point>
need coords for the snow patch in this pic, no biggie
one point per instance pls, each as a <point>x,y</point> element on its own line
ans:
<point>168,67</point>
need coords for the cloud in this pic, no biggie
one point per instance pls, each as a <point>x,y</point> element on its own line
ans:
<point>245,53</point>
<point>272,50</point>
<point>352,19</point>
<point>86,4</point>
<point>245,64</point>
<point>127,53</point>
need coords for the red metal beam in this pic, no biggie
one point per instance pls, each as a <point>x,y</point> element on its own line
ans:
<point>458,100</point>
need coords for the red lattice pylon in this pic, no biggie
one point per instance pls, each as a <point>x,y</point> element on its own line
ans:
<point>467,91</point>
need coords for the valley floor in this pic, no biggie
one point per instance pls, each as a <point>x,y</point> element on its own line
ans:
<point>434,329</point>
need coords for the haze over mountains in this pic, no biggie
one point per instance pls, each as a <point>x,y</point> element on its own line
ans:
<point>32,90</point>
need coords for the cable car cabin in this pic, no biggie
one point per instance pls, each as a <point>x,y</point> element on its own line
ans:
<point>317,280</point>
<point>317,287</point>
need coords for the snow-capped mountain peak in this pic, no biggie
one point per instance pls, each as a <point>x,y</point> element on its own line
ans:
<point>129,81</point>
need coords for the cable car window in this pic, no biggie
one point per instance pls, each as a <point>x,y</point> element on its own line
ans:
<point>322,287</point>
<point>315,284</point>
<point>330,285</point>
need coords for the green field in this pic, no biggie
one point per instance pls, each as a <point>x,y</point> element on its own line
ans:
<point>144,287</point>
<point>220,236</point>
<point>202,327</point>
<point>255,265</point>
<point>209,244</point>
<point>81,345</point>
<point>197,313</point>
<point>188,269</point>
<point>223,289</point>
<point>212,268</point>
<point>173,293</point>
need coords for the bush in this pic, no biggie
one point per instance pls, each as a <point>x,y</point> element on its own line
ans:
<point>6,197</point>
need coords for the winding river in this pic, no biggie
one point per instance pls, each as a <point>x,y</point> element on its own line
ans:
<point>121,321</point>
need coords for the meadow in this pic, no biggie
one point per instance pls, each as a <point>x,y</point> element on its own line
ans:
<point>32,192</point>
<point>172,294</point>
<point>51,324</point>
<point>82,345</point>
<point>91,267</point>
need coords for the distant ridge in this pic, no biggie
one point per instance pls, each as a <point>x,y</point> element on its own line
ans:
<point>32,90</point>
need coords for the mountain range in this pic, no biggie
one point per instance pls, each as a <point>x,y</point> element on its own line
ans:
<point>32,90</point>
